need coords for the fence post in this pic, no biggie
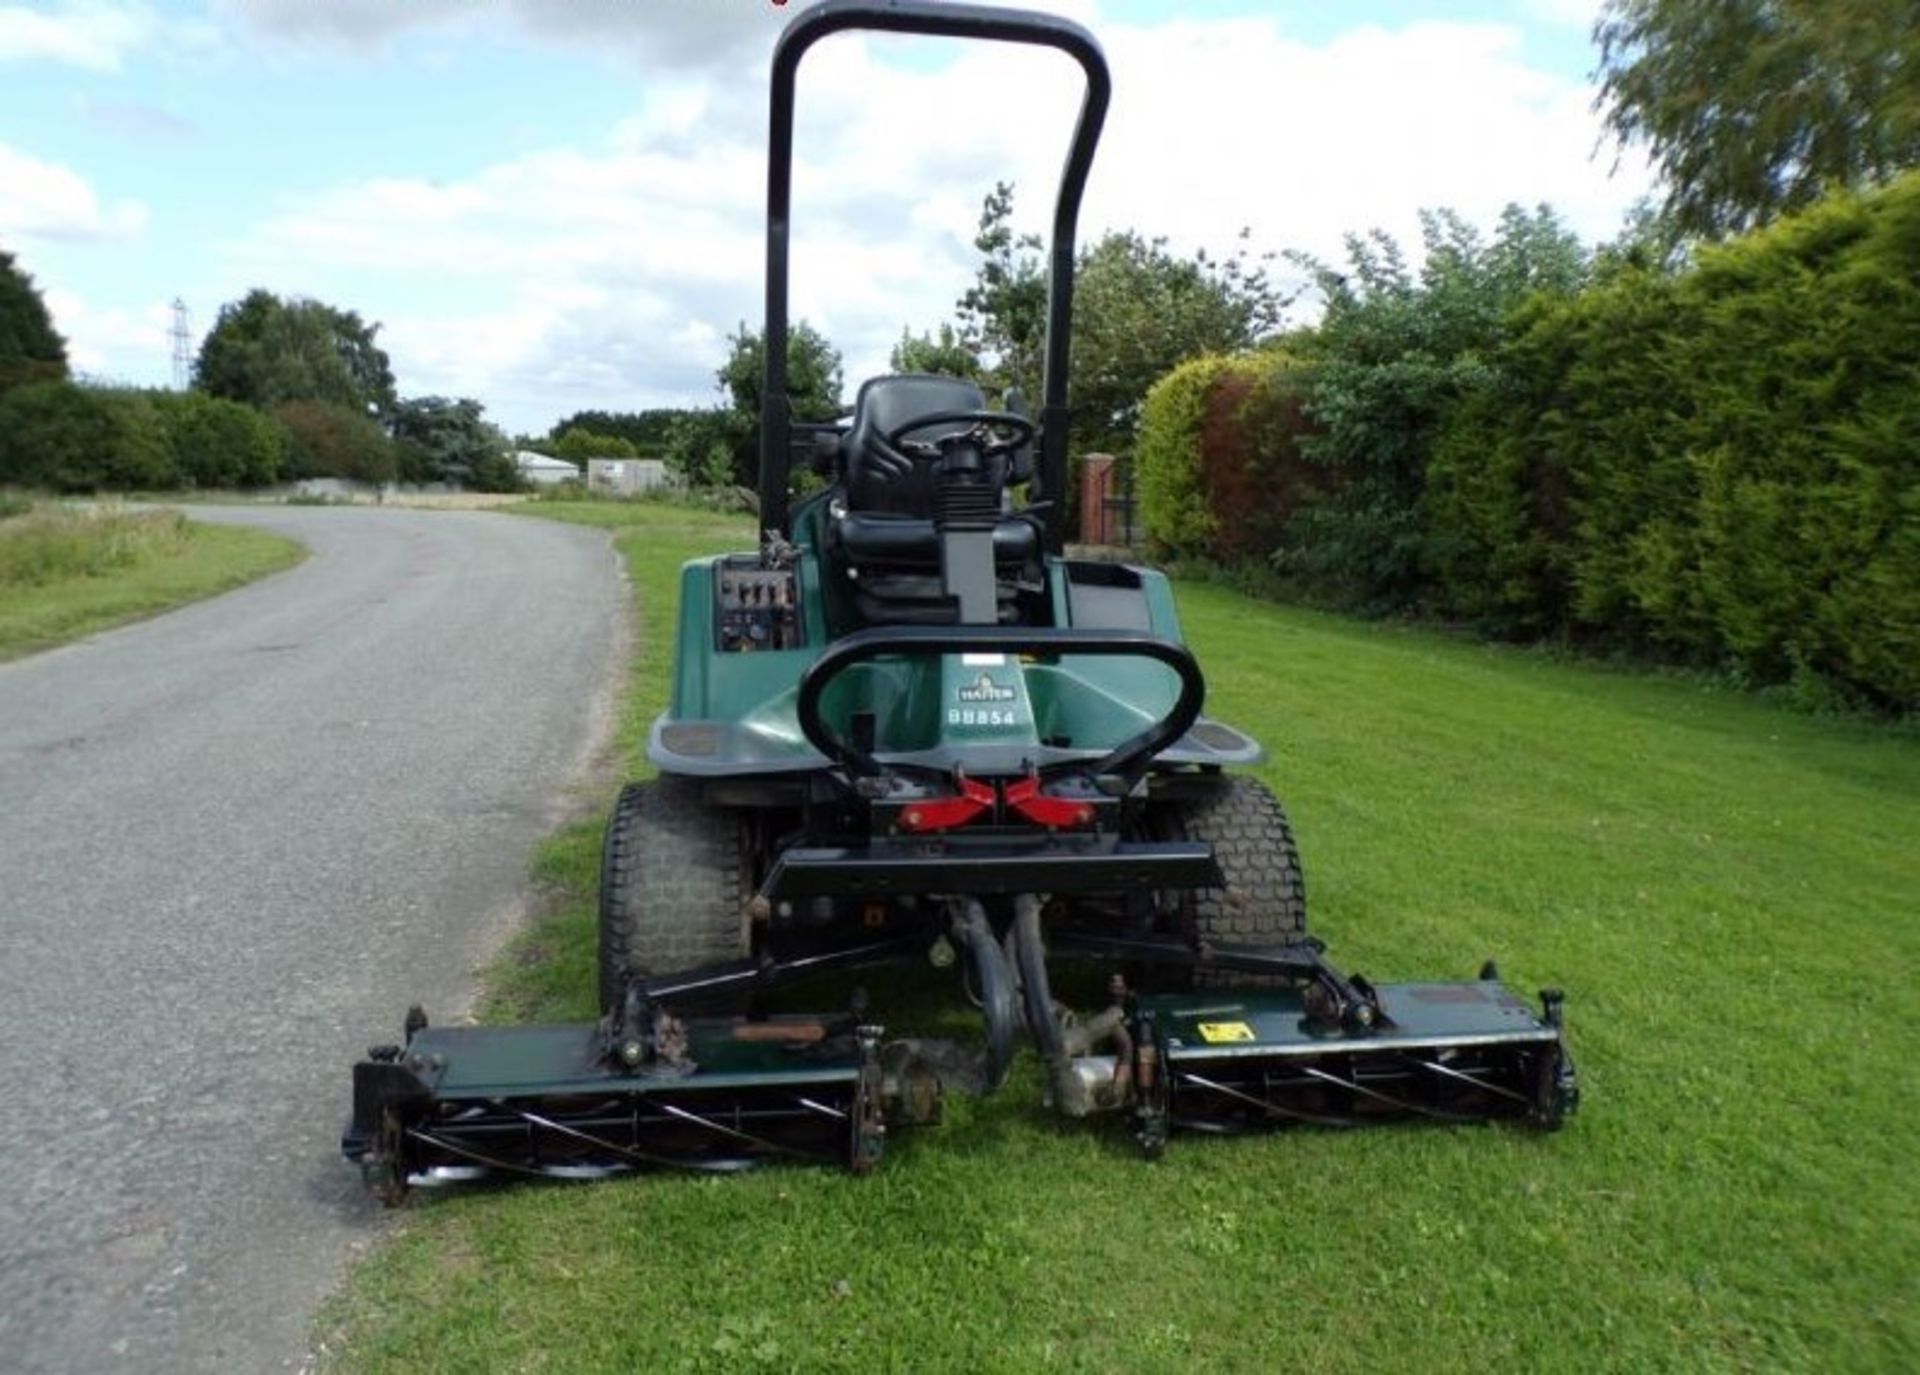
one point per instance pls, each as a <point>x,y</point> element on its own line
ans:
<point>1097,472</point>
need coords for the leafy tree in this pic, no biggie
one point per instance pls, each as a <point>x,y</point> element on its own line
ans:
<point>1393,352</point>
<point>647,431</point>
<point>328,440</point>
<point>578,444</point>
<point>702,445</point>
<point>813,373</point>
<point>1650,239</point>
<point>944,353</point>
<point>1139,310</point>
<point>31,350</point>
<point>1752,107</point>
<point>1003,315</point>
<point>263,351</point>
<point>450,441</point>
<point>813,387</point>
<point>83,439</point>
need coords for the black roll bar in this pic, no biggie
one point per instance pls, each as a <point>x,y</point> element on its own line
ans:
<point>1126,760</point>
<point>940,20</point>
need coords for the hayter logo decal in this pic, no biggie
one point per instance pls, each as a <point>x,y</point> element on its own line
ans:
<point>984,689</point>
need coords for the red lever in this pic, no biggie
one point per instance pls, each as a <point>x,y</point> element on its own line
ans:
<point>945,813</point>
<point>1026,798</point>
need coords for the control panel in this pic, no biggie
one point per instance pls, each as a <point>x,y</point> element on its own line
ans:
<point>758,608</point>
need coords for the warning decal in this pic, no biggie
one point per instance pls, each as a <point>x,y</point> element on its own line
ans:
<point>1214,1033</point>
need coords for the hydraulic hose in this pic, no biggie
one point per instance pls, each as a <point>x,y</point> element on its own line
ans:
<point>1059,1046</point>
<point>995,982</point>
<point>1043,1023</point>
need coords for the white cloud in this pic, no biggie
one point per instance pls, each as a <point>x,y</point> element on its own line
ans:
<point>102,340</point>
<point>678,32</point>
<point>608,274</point>
<point>87,34</point>
<point>681,34</point>
<point>354,25</point>
<point>677,35</point>
<point>45,200</point>
<point>1233,123</point>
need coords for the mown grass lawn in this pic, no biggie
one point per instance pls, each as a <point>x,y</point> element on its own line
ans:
<point>65,573</point>
<point>1728,893</point>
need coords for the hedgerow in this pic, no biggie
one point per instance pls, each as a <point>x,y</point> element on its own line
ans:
<point>1173,508</point>
<point>1395,352</point>
<point>1219,462</point>
<point>1720,465</point>
<point>81,439</point>
<point>1716,464</point>
<point>221,443</point>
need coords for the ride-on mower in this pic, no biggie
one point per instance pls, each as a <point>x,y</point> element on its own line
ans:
<point>908,729</point>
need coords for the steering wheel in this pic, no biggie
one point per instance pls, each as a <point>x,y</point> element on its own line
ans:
<point>993,425</point>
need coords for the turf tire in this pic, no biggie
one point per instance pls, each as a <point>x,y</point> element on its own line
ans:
<point>673,884</point>
<point>1264,901</point>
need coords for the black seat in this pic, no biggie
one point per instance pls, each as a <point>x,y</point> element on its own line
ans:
<point>885,529</point>
<point>879,476</point>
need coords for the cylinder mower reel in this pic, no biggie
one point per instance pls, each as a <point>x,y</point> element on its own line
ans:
<point>908,729</point>
<point>647,1087</point>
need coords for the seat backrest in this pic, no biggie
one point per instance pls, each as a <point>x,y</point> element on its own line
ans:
<point>880,477</point>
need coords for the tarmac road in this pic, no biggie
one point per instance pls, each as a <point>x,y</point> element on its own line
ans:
<point>235,842</point>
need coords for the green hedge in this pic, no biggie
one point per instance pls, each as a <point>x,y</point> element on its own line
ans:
<point>1219,469</point>
<point>329,440</point>
<point>1174,512</point>
<point>221,443</point>
<point>1717,465</point>
<point>68,438</point>
<point>1252,465</point>
<point>82,439</point>
<point>1721,465</point>
<point>1398,348</point>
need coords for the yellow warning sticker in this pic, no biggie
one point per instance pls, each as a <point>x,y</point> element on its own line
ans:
<point>1213,1033</point>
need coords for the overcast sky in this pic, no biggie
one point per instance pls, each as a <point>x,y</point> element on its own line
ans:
<point>554,205</point>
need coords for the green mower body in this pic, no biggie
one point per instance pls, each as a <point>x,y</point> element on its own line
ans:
<point>738,664</point>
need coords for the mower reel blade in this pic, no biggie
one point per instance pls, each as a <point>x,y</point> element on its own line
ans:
<point>458,1103</point>
<point>1443,1052</point>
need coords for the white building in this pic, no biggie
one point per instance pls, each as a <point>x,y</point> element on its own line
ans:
<point>538,470</point>
<point>626,476</point>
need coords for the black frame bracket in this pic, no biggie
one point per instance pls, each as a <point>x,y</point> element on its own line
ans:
<point>938,20</point>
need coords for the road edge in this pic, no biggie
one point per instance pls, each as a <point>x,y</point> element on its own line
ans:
<point>591,774</point>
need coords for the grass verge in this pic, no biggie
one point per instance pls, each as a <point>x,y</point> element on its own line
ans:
<point>1726,890</point>
<point>67,572</point>
<point>548,971</point>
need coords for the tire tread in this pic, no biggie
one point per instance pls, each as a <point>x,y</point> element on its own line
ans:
<point>1265,897</point>
<point>673,884</point>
